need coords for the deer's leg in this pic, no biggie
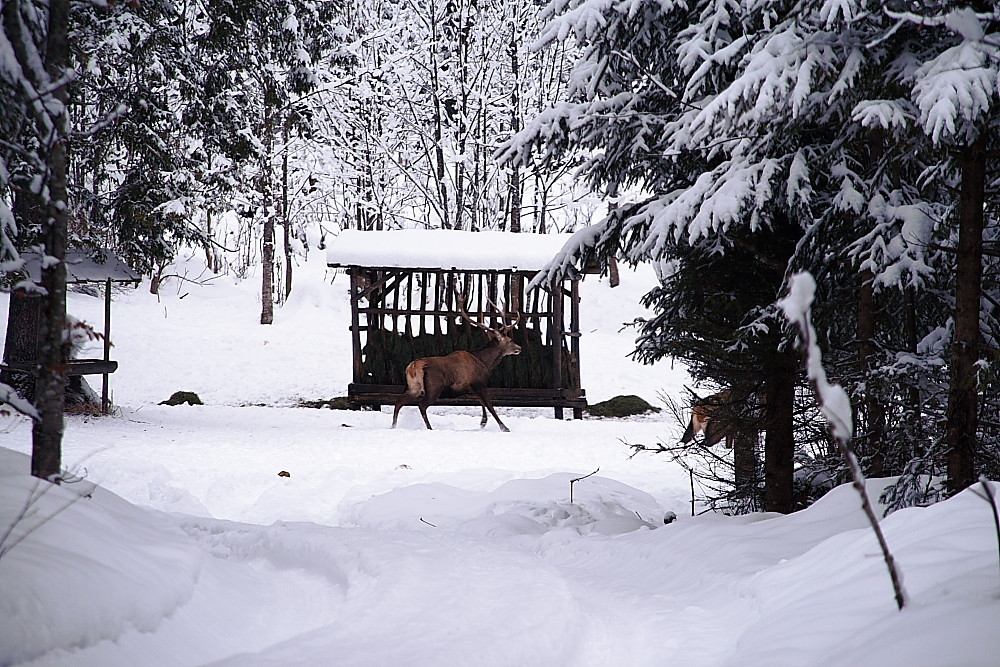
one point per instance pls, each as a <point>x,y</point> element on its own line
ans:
<point>480,393</point>
<point>414,389</point>
<point>482,422</point>
<point>409,397</point>
<point>689,433</point>
<point>430,398</point>
<point>715,432</point>
<point>423,413</point>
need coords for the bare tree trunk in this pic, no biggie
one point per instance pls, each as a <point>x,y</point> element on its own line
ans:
<point>779,440</point>
<point>514,187</point>
<point>541,203</point>
<point>210,259</point>
<point>745,466</point>
<point>209,252</point>
<point>156,278</point>
<point>614,277</point>
<point>465,22</point>
<point>872,440</point>
<point>285,219</point>
<point>963,392</point>
<point>50,387</point>
<point>437,124</point>
<point>913,394</point>
<point>267,250</point>
<point>267,278</point>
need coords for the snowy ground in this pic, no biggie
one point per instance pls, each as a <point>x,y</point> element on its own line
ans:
<point>451,547</point>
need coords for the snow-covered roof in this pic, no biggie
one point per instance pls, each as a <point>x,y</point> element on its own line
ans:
<point>81,268</point>
<point>444,249</point>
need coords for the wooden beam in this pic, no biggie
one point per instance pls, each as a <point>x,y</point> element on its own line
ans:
<point>356,294</point>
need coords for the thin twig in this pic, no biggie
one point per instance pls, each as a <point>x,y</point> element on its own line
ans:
<point>691,475</point>
<point>27,511</point>
<point>574,481</point>
<point>988,496</point>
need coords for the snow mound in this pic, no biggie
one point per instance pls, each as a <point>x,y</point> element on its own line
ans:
<point>72,581</point>
<point>517,507</point>
<point>948,555</point>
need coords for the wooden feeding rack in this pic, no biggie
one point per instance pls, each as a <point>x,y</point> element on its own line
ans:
<point>404,288</point>
<point>95,267</point>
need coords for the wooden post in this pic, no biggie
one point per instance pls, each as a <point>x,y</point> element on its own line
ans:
<point>574,342</point>
<point>356,322</point>
<point>557,340</point>
<point>105,403</point>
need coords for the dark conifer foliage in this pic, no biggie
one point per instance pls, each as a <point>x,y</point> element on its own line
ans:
<point>849,121</point>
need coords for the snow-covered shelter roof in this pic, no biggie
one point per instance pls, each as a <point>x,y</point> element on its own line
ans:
<point>82,268</point>
<point>444,249</point>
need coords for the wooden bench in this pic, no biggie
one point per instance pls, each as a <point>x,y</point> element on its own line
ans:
<point>74,367</point>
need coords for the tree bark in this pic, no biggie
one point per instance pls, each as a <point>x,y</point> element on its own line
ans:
<point>913,393</point>
<point>779,439</point>
<point>267,279</point>
<point>267,249</point>
<point>286,221</point>
<point>437,127</point>
<point>745,469</point>
<point>50,386</point>
<point>872,439</point>
<point>514,183</point>
<point>963,391</point>
<point>21,341</point>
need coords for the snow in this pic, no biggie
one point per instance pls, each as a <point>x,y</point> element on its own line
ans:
<point>81,268</point>
<point>444,249</point>
<point>958,85</point>
<point>457,546</point>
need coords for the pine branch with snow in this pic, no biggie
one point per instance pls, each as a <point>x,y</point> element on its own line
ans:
<point>836,407</point>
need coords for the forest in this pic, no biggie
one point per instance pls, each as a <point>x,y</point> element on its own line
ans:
<point>732,145</point>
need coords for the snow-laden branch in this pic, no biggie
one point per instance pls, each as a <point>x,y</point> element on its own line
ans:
<point>572,257</point>
<point>964,21</point>
<point>958,85</point>
<point>9,397</point>
<point>834,403</point>
<point>836,408</point>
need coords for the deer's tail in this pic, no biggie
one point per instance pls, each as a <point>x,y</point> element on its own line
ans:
<point>415,378</point>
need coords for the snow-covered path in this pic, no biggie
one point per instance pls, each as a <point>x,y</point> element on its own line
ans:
<point>487,557</point>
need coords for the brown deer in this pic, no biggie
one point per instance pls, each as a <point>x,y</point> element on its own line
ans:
<point>709,415</point>
<point>460,372</point>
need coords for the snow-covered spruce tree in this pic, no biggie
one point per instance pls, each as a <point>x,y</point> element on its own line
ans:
<point>712,312</point>
<point>130,176</point>
<point>632,87</point>
<point>955,92</point>
<point>735,121</point>
<point>34,68</point>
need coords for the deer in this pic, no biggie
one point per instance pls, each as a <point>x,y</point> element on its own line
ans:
<point>708,415</point>
<point>459,372</point>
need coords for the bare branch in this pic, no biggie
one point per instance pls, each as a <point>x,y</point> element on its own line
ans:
<point>574,481</point>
